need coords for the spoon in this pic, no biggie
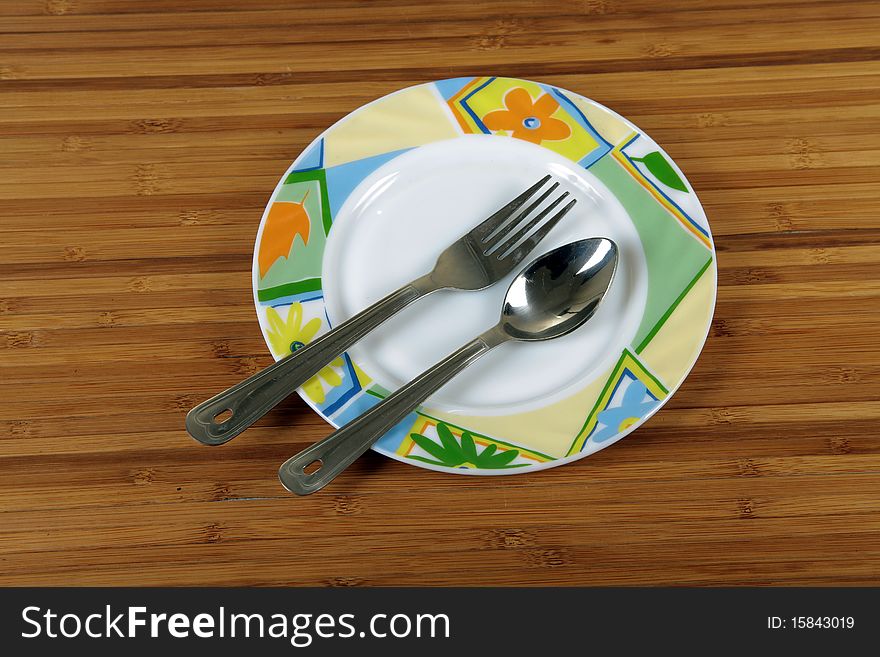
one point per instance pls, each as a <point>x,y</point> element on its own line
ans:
<point>552,296</point>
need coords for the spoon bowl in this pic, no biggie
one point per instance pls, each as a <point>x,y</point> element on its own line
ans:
<point>559,291</point>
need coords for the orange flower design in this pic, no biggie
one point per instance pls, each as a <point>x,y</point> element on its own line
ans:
<point>527,119</point>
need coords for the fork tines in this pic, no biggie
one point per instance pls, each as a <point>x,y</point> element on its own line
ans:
<point>501,232</point>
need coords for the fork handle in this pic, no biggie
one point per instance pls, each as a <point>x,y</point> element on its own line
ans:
<point>252,398</point>
<point>339,450</point>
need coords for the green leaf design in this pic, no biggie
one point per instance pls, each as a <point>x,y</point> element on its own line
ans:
<point>489,451</point>
<point>452,454</point>
<point>424,460</point>
<point>468,447</point>
<point>662,170</point>
<point>450,444</point>
<point>435,450</point>
<point>502,459</point>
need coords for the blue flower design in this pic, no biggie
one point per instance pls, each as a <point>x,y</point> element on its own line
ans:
<point>633,406</point>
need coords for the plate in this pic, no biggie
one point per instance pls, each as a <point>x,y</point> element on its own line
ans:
<point>369,205</point>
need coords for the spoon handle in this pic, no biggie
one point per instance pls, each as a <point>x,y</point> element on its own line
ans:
<point>248,401</point>
<point>345,445</point>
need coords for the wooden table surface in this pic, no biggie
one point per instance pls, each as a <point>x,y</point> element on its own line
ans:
<point>140,143</point>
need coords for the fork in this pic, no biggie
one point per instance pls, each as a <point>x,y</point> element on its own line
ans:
<point>475,261</point>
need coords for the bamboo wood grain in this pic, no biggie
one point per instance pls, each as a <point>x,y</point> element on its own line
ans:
<point>139,142</point>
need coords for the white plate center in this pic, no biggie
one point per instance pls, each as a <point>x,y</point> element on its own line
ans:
<point>398,220</point>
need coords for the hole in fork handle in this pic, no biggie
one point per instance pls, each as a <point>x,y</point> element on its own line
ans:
<point>222,416</point>
<point>313,467</point>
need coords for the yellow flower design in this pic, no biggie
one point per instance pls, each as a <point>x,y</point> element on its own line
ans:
<point>286,336</point>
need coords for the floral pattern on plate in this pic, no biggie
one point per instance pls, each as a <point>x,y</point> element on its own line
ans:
<point>670,221</point>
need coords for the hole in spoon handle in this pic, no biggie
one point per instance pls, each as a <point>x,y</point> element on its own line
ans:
<point>344,446</point>
<point>312,469</point>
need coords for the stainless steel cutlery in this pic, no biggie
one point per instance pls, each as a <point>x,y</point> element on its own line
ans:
<point>481,257</point>
<point>550,298</point>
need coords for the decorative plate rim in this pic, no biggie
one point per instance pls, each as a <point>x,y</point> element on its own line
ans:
<point>699,345</point>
